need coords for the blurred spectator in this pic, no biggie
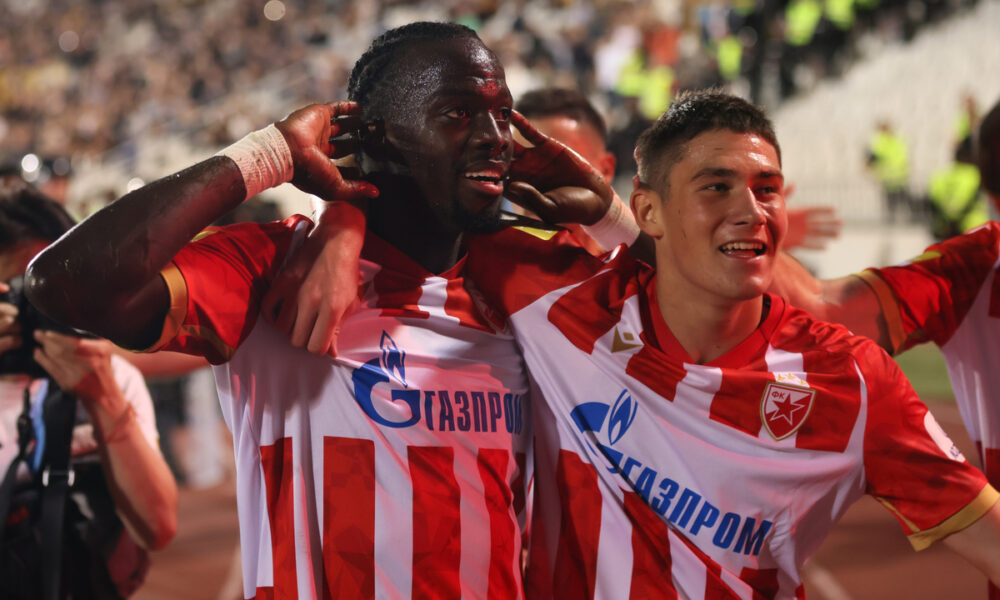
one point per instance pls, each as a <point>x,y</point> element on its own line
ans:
<point>967,119</point>
<point>955,202</point>
<point>888,158</point>
<point>119,495</point>
<point>801,20</point>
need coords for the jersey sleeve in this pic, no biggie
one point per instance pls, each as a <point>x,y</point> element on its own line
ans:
<point>518,265</point>
<point>216,284</point>
<point>911,466</point>
<point>926,298</point>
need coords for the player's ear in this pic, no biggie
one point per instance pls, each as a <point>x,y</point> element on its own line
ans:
<point>647,206</point>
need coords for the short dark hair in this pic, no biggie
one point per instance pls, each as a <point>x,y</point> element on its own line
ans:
<point>988,150</point>
<point>28,214</point>
<point>552,102</point>
<point>662,145</point>
<point>368,85</point>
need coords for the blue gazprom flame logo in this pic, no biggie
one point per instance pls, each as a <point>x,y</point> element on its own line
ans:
<point>622,415</point>
<point>591,417</point>
<point>392,359</point>
<point>391,362</point>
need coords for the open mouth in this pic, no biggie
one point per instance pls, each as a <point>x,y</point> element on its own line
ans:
<point>485,177</point>
<point>743,249</point>
<point>488,181</point>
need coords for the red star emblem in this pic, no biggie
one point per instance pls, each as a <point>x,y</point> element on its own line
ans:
<point>784,408</point>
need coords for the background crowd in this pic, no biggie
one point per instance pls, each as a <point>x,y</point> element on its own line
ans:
<point>129,83</point>
<point>109,94</point>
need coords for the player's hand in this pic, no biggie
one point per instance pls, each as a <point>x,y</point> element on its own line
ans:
<point>80,366</point>
<point>318,285</point>
<point>557,206</point>
<point>546,169</point>
<point>812,227</point>
<point>316,136</point>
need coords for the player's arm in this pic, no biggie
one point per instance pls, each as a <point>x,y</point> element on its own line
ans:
<point>979,543</point>
<point>318,284</point>
<point>845,300</point>
<point>103,276</point>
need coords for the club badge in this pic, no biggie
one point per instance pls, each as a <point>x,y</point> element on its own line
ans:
<point>784,408</point>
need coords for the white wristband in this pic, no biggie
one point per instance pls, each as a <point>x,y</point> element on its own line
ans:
<point>263,158</point>
<point>617,226</point>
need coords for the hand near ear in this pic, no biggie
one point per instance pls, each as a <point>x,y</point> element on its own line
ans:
<point>548,165</point>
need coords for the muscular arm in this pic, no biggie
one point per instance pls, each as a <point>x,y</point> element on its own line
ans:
<point>103,276</point>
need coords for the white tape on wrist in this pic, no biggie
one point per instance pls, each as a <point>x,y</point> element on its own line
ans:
<point>263,158</point>
<point>617,226</point>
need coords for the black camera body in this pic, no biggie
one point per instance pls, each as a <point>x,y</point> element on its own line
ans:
<point>21,360</point>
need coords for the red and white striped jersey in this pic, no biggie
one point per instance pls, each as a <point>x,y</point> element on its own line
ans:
<point>392,471</point>
<point>950,295</point>
<point>659,478</point>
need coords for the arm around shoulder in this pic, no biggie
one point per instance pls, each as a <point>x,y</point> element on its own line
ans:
<point>849,300</point>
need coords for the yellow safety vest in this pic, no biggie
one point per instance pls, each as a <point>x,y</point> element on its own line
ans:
<point>801,18</point>
<point>954,191</point>
<point>891,159</point>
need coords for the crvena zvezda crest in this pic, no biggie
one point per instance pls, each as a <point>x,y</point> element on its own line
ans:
<point>784,408</point>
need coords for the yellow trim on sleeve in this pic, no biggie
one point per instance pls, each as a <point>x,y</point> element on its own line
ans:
<point>543,234</point>
<point>890,308</point>
<point>929,255</point>
<point>177,288</point>
<point>204,233</point>
<point>968,515</point>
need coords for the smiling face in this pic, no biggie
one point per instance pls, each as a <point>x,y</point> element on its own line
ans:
<point>451,129</point>
<point>720,219</point>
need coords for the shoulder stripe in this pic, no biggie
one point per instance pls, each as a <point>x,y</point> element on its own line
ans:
<point>890,308</point>
<point>177,288</point>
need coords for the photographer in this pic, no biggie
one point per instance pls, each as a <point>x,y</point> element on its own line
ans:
<point>114,422</point>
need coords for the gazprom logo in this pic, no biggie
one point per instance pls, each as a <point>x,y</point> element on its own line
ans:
<point>591,417</point>
<point>377,371</point>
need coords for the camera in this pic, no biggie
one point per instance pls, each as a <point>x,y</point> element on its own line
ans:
<point>20,360</point>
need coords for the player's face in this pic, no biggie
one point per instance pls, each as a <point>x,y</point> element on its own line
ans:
<point>582,138</point>
<point>452,131</point>
<point>723,218</point>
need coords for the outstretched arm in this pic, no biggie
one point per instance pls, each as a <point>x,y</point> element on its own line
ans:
<point>845,300</point>
<point>103,276</point>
